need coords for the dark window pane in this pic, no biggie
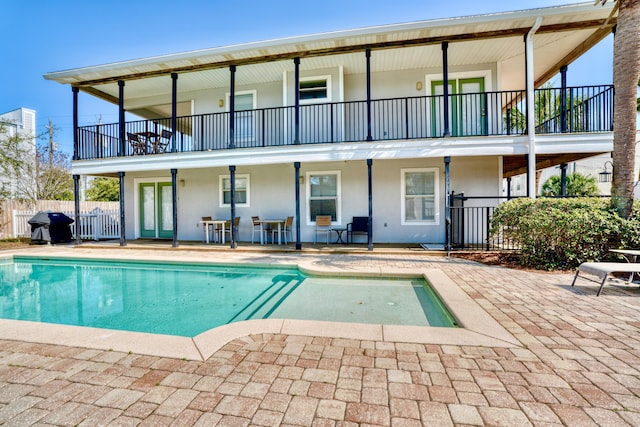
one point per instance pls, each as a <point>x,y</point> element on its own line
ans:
<point>324,185</point>
<point>323,207</point>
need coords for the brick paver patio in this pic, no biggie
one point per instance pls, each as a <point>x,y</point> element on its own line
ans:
<point>577,366</point>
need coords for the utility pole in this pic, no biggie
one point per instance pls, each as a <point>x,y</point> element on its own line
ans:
<point>51,144</point>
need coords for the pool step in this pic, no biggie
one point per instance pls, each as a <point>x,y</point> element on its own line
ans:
<point>269,300</point>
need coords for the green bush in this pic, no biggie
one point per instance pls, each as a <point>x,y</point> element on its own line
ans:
<point>563,233</point>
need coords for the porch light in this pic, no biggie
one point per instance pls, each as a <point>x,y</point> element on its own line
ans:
<point>606,175</point>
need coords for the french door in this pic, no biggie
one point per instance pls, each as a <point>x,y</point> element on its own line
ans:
<point>156,210</point>
<point>467,107</point>
<point>245,118</point>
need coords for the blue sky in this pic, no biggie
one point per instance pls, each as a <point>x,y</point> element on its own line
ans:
<point>41,36</point>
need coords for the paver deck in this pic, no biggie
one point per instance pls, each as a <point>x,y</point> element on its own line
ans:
<point>575,363</point>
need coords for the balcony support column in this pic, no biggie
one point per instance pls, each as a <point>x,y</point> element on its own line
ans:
<point>368,56</point>
<point>121,122</point>
<point>296,166</point>
<point>174,110</point>
<point>232,182</point>
<point>526,162</point>
<point>563,99</point>
<point>370,222</point>
<point>174,206</point>
<point>296,119</point>
<point>76,205</point>
<point>123,239</point>
<point>232,108</point>
<point>531,125</point>
<point>445,89</point>
<point>447,204</point>
<point>75,91</point>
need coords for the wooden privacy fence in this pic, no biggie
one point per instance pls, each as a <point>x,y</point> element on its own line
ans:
<point>98,220</point>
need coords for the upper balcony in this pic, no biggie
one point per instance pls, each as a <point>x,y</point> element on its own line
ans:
<point>471,115</point>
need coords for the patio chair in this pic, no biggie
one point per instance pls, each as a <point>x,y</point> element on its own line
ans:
<point>137,146</point>
<point>323,225</point>
<point>209,229</point>
<point>258,228</point>
<point>359,225</point>
<point>227,227</point>
<point>288,223</point>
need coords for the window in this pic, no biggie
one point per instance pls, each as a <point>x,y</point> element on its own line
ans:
<point>244,105</point>
<point>242,190</point>
<point>323,195</point>
<point>315,89</point>
<point>420,196</point>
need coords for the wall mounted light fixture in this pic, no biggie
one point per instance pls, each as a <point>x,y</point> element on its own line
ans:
<point>220,102</point>
<point>418,86</point>
<point>606,175</point>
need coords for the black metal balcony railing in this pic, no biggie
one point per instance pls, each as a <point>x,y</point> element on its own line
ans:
<point>579,109</point>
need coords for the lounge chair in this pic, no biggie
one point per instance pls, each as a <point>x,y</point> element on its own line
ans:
<point>603,269</point>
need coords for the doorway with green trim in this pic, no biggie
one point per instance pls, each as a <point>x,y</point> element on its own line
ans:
<point>467,107</point>
<point>155,210</point>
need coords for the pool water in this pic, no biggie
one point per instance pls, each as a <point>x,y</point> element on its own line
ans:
<point>188,299</point>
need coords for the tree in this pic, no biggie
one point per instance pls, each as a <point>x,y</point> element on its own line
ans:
<point>577,185</point>
<point>53,174</point>
<point>104,190</point>
<point>626,74</point>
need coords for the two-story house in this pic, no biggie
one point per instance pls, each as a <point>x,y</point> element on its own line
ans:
<point>383,122</point>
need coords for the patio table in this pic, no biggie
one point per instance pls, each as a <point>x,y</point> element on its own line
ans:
<point>278,222</point>
<point>214,222</point>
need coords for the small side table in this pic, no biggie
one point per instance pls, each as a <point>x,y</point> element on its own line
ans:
<point>339,231</point>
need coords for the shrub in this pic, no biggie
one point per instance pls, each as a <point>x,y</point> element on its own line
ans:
<point>577,185</point>
<point>563,233</point>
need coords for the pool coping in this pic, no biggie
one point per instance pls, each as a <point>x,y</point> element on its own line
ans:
<point>477,326</point>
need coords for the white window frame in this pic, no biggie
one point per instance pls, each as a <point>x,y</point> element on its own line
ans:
<point>254,93</point>
<point>327,79</point>
<point>243,92</point>
<point>338,194</point>
<point>436,196</point>
<point>221,179</point>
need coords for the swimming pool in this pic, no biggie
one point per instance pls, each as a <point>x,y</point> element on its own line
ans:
<point>186,299</point>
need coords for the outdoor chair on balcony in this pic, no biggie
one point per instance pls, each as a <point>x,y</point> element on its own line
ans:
<point>137,146</point>
<point>359,225</point>
<point>162,142</point>
<point>323,225</point>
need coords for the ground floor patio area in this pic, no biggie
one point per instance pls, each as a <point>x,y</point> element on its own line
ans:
<point>569,359</point>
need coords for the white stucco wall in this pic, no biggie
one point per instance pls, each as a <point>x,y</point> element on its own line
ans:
<point>273,195</point>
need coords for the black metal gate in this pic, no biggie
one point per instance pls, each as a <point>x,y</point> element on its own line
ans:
<point>456,201</point>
